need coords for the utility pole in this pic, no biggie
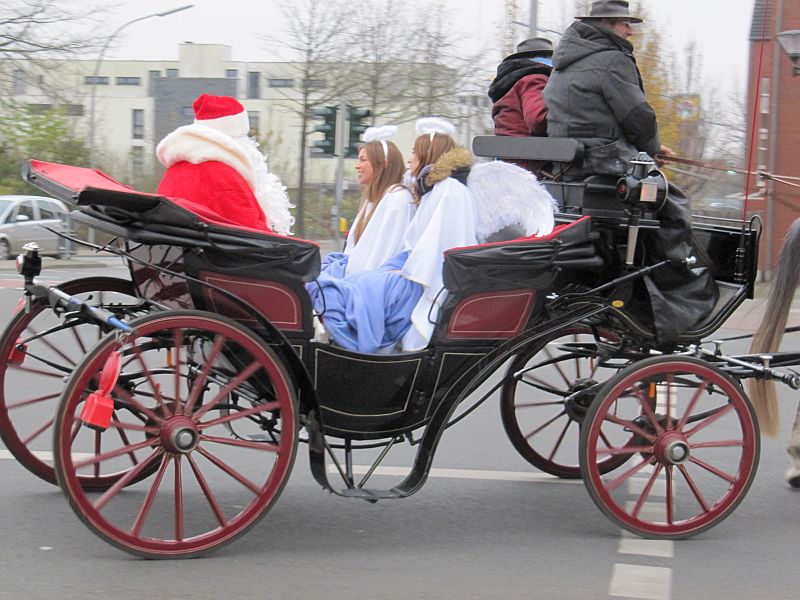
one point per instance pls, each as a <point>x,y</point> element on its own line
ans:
<point>533,20</point>
<point>340,133</point>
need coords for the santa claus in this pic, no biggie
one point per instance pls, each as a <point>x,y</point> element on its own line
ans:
<point>213,162</point>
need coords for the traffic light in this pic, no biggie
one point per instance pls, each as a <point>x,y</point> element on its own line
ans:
<point>356,119</point>
<point>325,147</point>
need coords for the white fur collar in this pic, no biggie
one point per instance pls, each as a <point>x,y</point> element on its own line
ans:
<point>197,144</point>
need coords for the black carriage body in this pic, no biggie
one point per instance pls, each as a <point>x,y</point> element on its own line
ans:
<point>183,257</point>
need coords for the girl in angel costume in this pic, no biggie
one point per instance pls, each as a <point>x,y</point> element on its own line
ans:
<point>386,208</point>
<point>396,306</point>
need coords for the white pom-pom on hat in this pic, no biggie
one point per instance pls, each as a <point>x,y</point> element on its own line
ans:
<point>382,132</point>
<point>431,125</point>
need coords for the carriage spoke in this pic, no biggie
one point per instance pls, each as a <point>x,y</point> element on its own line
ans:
<point>98,458</point>
<point>199,383</point>
<point>721,412</point>
<point>134,404</point>
<point>137,351</point>
<point>630,425</point>
<point>47,424</point>
<point>646,491</point>
<point>178,498</point>
<point>615,483</point>
<point>719,444</point>
<point>240,443</point>
<point>123,481</point>
<point>230,470</point>
<point>545,424</point>
<point>645,402</point>
<point>538,404</point>
<point>670,377</point>
<point>692,403</point>
<point>251,369</point>
<point>39,372</point>
<point>712,469</point>
<point>147,504</point>
<point>37,400</point>
<point>668,472</point>
<point>695,488</point>
<point>209,495</point>
<point>560,439</point>
<point>178,344</point>
<point>241,414</point>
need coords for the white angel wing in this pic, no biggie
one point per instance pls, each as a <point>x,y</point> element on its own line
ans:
<point>505,195</point>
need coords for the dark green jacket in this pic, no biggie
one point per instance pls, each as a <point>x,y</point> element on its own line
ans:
<point>595,93</point>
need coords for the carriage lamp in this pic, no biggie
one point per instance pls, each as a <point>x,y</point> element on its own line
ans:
<point>789,41</point>
<point>644,184</point>
<point>29,265</point>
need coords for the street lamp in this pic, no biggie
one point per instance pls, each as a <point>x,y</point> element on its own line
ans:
<point>100,61</point>
<point>789,41</point>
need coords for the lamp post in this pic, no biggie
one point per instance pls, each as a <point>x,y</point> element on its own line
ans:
<point>97,71</point>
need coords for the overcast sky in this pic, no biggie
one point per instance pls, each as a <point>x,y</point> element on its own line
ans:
<point>720,27</point>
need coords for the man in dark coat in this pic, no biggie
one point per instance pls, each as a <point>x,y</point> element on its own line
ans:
<point>595,94</point>
<point>519,108</point>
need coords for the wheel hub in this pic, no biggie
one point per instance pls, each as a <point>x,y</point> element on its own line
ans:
<point>582,393</point>
<point>672,448</point>
<point>179,435</point>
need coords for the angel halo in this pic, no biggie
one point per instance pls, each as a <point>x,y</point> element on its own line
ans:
<point>380,134</point>
<point>434,125</point>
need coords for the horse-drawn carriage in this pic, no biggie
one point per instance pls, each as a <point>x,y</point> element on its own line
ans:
<point>190,386</point>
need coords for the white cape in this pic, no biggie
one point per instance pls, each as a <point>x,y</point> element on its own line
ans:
<point>383,236</point>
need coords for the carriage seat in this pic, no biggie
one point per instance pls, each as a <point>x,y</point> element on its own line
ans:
<point>527,148</point>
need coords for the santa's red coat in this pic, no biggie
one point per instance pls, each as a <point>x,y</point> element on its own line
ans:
<point>217,186</point>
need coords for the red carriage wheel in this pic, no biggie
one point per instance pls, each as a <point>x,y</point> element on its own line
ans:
<point>38,351</point>
<point>546,394</point>
<point>697,453</point>
<point>204,404</point>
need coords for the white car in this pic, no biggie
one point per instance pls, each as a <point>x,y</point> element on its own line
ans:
<point>25,219</point>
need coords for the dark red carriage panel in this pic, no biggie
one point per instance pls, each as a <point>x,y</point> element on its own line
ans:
<point>491,315</point>
<point>278,302</point>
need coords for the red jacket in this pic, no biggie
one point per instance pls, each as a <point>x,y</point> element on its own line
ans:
<point>216,186</point>
<point>522,112</point>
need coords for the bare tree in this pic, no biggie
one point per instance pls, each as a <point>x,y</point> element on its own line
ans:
<point>316,46</point>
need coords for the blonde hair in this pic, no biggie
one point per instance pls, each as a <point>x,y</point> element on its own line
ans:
<point>387,172</point>
<point>428,150</point>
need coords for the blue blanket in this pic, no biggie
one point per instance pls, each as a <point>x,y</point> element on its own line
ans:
<point>367,311</point>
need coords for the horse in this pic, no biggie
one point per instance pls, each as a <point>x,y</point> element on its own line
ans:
<point>767,340</point>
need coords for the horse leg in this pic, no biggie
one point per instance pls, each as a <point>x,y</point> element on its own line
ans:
<point>793,473</point>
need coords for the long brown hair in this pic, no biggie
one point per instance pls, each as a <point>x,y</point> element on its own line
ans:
<point>387,171</point>
<point>428,150</point>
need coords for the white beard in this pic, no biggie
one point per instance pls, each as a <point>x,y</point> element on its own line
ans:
<point>268,189</point>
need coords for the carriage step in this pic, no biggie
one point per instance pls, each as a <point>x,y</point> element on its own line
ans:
<point>368,494</point>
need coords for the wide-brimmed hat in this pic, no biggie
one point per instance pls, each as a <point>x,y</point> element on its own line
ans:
<point>537,46</point>
<point>610,9</point>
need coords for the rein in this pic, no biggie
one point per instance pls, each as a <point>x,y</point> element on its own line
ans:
<point>764,175</point>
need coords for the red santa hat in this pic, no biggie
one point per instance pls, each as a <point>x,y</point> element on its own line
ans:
<point>223,113</point>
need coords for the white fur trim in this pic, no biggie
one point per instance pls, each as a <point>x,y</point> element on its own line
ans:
<point>383,132</point>
<point>431,125</point>
<point>233,125</point>
<point>197,144</point>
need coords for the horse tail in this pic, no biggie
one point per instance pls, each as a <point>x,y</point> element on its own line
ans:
<point>768,336</point>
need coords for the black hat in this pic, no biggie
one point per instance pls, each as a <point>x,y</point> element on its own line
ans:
<point>610,9</point>
<point>537,46</point>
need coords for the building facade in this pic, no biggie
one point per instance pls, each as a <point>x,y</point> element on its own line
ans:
<point>774,124</point>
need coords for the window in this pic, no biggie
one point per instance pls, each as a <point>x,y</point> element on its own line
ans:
<point>92,80</point>
<point>187,112</point>
<point>231,73</point>
<point>281,83</point>
<point>73,110</point>
<point>137,131</point>
<point>19,82</point>
<point>151,81</point>
<point>316,83</point>
<point>172,72</point>
<point>25,209</point>
<point>254,84</point>
<point>137,160</point>
<point>253,117</point>
<point>39,109</point>
<point>48,210</point>
<point>129,81</point>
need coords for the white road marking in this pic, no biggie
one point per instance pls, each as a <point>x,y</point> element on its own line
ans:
<point>635,545</point>
<point>43,455</point>
<point>637,581</point>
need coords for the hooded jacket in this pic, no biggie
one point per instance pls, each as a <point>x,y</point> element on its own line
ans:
<point>595,94</point>
<point>519,108</point>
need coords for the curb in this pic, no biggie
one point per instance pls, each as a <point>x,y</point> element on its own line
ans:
<point>49,264</point>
